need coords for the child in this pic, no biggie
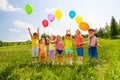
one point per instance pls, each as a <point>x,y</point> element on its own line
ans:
<point>68,47</point>
<point>52,47</point>
<point>79,46</point>
<point>35,45</point>
<point>43,50</point>
<point>92,43</point>
<point>60,47</point>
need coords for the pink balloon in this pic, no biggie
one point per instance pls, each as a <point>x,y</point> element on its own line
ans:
<point>51,17</point>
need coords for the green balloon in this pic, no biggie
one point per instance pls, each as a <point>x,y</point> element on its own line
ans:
<point>28,9</point>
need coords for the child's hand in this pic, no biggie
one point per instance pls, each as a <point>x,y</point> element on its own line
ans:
<point>66,31</point>
<point>28,29</point>
<point>38,28</point>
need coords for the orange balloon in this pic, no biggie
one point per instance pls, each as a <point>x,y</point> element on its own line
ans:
<point>84,26</point>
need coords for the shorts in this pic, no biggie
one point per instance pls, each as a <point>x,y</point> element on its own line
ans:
<point>43,55</point>
<point>79,51</point>
<point>59,51</point>
<point>69,51</point>
<point>93,52</point>
<point>35,52</point>
<point>51,54</point>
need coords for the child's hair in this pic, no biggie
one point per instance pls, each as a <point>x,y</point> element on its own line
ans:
<point>58,36</point>
<point>53,36</point>
<point>91,30</point>
<point>34,34</point>
<point>68,35</point>
<point>42,39</point>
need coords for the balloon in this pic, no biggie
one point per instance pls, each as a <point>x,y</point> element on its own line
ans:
<point>58,14</point>
<point>45,23</point>
<point>28,9</point>
<point>84,26</point>
<point>72,14</point>
<point>78,19</point>
<point>51,17</point>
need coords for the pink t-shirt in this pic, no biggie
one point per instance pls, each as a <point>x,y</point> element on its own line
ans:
<point>78,41</point>
<point>59,45</point>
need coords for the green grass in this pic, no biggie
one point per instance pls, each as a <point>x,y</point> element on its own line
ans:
<point>15,64</point>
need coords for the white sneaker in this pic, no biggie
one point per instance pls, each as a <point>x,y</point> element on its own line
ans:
<point>71,62</point>
<point>32,62</point>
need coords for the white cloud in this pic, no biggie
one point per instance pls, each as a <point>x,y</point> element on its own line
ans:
<point>50,10</point>
<point>5,6</point>
<point>23,25</point>
<point>14,30</point>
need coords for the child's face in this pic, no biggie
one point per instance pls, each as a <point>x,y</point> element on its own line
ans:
<point>52,37</point>
<point>68,37</point>
<point>90,32</point>
<point>59,38</point>
<point>43,41</point>
<point>35,36</point>
<point>78,33</point>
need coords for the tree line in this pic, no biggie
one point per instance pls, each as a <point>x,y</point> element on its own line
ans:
<point>111,31</point>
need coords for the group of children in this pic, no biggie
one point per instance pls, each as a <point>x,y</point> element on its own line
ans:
<point>57,45</point>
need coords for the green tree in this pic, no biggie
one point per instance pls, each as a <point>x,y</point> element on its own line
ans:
<point>113,28</point>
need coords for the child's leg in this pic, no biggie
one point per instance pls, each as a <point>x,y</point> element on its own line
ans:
<point>32,59</point>
<point>67,59</point>
<point>70,57</point>
<point>60,58</point>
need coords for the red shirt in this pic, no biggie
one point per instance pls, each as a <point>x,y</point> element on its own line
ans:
<point>78,42</point>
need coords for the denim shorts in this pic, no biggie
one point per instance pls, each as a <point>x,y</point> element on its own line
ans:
<point>93,52</point>
<point>79,51</point>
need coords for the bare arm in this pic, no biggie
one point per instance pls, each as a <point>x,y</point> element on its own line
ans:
<point>66,33</point>
<point>70,34</point>
<point>99,45</point>
<point>38,32</point>
<point>30,32</point>
<point>92,33</point>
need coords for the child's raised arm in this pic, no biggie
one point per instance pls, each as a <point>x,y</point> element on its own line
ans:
<point>70,34</point>
<point>66,34</point>
<point>38,32</point>
<point>92,33</point>
<point>30,32</point>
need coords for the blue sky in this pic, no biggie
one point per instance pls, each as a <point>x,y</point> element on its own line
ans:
<point>14,20</point>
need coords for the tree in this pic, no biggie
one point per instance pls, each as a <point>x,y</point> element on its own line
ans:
<point>1,43</point>
<point>100,32</point>
<point>113,28</point>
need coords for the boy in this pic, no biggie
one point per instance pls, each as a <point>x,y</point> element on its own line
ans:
<point>92,43</point>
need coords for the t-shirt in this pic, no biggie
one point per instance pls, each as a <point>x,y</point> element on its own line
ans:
<point>35,42</point>
<point>78,41</point>
<point>52,46</point>
<point>92,41</point>
<point>68,44</point>
<point>42,48</point>
<point>59,45</point>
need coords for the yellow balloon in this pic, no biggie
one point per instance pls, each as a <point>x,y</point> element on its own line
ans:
<point>58,14</point>
<point>78,19</point>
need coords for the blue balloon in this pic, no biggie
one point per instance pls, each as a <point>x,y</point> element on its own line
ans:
<point>72,14</point>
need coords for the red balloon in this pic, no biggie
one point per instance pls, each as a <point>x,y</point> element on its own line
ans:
<point>45,23</point>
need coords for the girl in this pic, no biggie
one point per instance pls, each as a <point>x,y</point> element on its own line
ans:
<point>79,46</point>
<point>60,47</point>
<point>35,44</point>
<point>43,50</point>
<point>52,47</point>
<point>68,47</point>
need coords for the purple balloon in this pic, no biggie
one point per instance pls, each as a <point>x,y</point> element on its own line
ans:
<point>51,17</point>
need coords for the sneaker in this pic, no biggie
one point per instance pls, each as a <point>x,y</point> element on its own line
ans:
<point>32,62</point>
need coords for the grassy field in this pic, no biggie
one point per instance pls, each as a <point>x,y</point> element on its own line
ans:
<point>15,64</point>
